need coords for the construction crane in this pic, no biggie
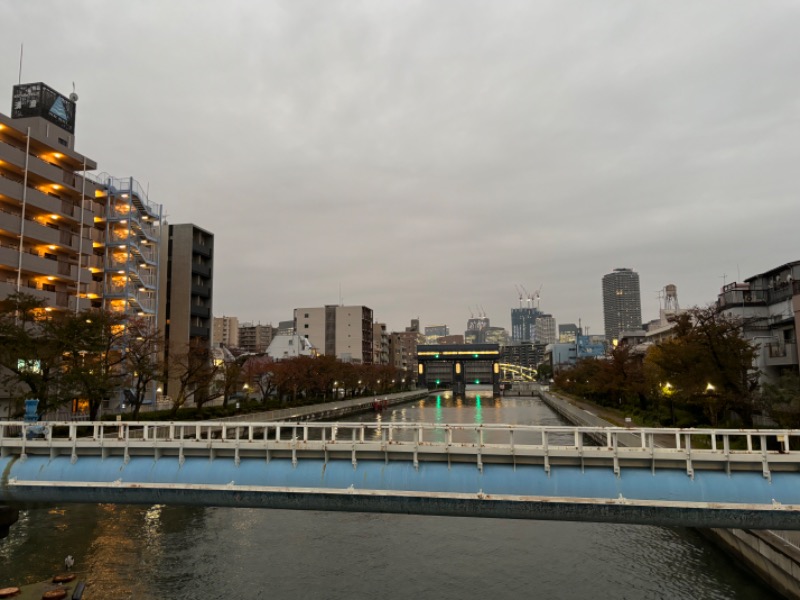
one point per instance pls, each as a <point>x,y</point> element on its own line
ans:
<point>519,293</point>
<point>538,296</point>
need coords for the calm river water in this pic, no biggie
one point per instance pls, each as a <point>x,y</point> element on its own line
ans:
<point>213,553</point>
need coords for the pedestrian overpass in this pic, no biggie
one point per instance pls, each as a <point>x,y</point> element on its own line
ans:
<point>681,477</point>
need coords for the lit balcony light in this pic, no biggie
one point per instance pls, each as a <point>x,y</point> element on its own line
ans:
<point>121,246</point>
<point>121,271</point>
<point>124,195</point>
<point>55,186</point>
<point>124,222</point>
<point>48,309</point>
<point>55,217</point>
<point>50,278</point>
<point>58,155</point>
<point>52,247</point>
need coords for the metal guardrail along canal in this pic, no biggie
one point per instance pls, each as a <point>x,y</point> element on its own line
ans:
<point>715,478</point>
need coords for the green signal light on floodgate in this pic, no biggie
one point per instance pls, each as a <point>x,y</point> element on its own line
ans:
<point>438,381</point>
<point>477,381</point>
<point>474,356</point>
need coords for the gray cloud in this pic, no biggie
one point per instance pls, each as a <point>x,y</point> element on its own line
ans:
<point>428,156</point>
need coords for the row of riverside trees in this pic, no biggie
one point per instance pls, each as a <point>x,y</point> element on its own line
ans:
<point>88,357</point>
<point>703,375</point>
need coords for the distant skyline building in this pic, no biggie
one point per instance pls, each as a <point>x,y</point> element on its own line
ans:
<point>545,329</point>
<point>622,303</point>
<point>255,337</point>
<point>226,331</point>
<point>522,323</point>
<point>567,332</point>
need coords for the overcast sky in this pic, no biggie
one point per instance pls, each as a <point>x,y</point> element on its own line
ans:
<point>426,157</point>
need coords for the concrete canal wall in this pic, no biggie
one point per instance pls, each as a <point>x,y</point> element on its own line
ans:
<point>331,410</point>
<point>772,558</point>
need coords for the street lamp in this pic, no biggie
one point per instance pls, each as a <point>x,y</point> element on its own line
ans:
<point>336,389</point>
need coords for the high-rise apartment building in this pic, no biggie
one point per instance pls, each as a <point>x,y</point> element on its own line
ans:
<point>226,331</point>
<point>187,274</point>
<point>255,338</point>
<point>341,331</point>
<point>622,303</point>
<point>46,206</point>
<point>545,329</point>
<point>380,344</point>
<point>69,237</point>
<point>522,324</point>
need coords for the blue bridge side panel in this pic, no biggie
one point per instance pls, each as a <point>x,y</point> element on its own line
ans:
<point>567,482</point>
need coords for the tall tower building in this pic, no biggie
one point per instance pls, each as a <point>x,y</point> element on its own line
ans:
<point>187,259</point>
<point>622,303</point>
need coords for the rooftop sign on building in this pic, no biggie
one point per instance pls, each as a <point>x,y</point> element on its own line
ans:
<point>40,100</point>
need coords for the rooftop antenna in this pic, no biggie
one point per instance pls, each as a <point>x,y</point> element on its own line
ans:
<point>21,47</point>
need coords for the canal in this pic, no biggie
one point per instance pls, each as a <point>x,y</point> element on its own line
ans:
<point>161,552</point>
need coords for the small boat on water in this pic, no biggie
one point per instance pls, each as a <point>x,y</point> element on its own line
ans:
<point>65,586</point>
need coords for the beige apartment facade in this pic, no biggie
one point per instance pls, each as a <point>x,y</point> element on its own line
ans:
<point>226,331</point>
<point>345,332</point>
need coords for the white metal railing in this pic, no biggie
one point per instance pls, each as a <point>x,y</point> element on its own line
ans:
<point>761,450</point>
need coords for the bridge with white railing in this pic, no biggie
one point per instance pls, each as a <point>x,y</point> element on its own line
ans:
<point>688,477</point>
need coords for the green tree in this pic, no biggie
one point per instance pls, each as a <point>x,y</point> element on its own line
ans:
<point>93,354</point>
<point>31,350</point>
<point>709,364</point>
<point>142,360</point>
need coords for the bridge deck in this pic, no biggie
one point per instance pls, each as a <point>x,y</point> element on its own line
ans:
<point>522,471</point>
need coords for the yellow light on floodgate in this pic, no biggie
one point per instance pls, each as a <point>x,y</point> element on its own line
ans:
<point>50,278</point>
<point>55,217</point>
<point>48,309</point>
<point>58,155</point>
<point>496,368</point>
<point>52,247</point>
<point>55,186</point>
<point>421,369</point>
<point>458,368</point>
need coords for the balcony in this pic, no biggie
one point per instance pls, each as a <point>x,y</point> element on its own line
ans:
<point>199,332</point>
<point>61,300</point>
<point>38,265</point>
<point>200,311</point>
<point>201,249</point>
<point>13,189</point>
<point>203,291</point>
<point>201,269</point>
<point>780,354</point>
